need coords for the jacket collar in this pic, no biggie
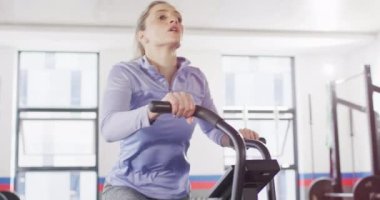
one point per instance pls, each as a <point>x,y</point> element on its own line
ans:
<point>181,62</point>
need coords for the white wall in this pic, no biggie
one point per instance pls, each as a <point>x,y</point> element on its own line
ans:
<point>8,56</point>
<point>312,80</point>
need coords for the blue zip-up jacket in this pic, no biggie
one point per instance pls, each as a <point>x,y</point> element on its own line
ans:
<point>152,158</point>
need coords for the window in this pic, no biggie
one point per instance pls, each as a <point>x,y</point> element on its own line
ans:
<point>50,139</point>
<point>57,125</point>
<point>58,80</point>
<point>259,94</point>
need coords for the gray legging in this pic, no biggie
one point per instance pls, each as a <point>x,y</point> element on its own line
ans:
<point>124,193</point>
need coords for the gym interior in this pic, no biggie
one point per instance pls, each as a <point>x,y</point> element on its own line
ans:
<point>305,75</point>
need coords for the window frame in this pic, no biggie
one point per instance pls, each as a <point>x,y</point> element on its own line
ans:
<point>289,110</point>
<point>23,170</point>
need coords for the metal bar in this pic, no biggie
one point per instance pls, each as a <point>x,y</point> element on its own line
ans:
<point>52,169</point>
<point>96,169</point>
<point>351,105</point>
<point>352,135</point>
<point>97,128</point>
<point>340,81</point>
<point>59,154</point>
<point>271,189</point>
<point>232,111</point>
<point>57,109</point>
<point>336,171</point>
<point>58,119</point>
<point>60,52</point>
<point>311,136</point>
<point>271,111</point>
<point>376,88</point>
<point>339,195</point>
<point>17,137</point>
<point>281,153</point>
<point>239,146</point>
<point>295,133</point>
<point>290,167</point>
<point>374,134</point>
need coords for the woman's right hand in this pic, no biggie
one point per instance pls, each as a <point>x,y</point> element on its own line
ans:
<point>182,105</point>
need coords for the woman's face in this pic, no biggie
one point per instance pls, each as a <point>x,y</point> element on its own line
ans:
<point>163,27</point>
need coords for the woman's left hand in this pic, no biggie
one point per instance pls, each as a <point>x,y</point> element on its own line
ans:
<point>249,134</point>
<point>246,133</point>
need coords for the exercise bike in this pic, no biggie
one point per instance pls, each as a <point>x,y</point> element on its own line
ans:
<point>7,195</point>
<point>246,178</point>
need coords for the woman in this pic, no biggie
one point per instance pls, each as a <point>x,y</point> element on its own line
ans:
<point>152,162</point>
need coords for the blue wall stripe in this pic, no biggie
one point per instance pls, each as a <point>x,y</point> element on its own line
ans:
<point>101,180</point>
<point>205,178</point>
<point>5,180</point>
<point>315,175</point>
<point>344,175</point>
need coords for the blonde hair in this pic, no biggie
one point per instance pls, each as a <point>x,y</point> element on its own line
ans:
<point>140,51</point>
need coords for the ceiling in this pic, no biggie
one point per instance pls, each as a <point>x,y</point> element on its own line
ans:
<point>358,16</point>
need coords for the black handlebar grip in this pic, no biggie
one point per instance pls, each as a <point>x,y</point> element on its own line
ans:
<point>160,107</point>
<point>263,140</point>
<point>200,112</point>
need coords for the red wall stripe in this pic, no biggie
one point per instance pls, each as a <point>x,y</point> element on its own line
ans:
<point>5,187</point>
